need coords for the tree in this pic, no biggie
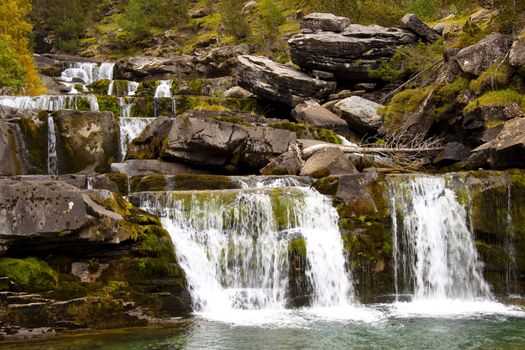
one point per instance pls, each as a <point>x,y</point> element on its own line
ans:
<point>235,22</point>
<point>16,31</point>
<point>12,73</point>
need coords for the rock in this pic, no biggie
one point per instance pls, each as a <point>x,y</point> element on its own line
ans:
<point>341,95</point>
<point>149,143</point>
<point>415,24</point>
<point>37,215</point>
<point>288,163</point>
<point>484,115</point>
<point>366,86</point>
<point>325,22</point>
<point>278,82</point>
<point>319,74</point>
<point>360,114</point>
<point>310,112</point>
<point>439,28</point>
<point>86,141</point>
<point>11,162</point>
<point>357,199</point>
<point>134,167</point>
<point>220,61</point>
<point>222,144</point>
<point>507,150</point>
<point>421,120</point>
<point>475,59</point>
<point>200,12</point>
<point>328,162</point>
<point>350,54</point>
<point>453,152</point>
<point>517,54</point>
<point>250,5</point>
<point>138,68</point>
<point>482,15</point>
<point>238,92</point>
<point>451,29</point>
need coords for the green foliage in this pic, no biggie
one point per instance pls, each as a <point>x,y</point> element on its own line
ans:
<point>235,22</point>
<point>426,9</point>
<point>496,77</point>
<point>446,95</point>
<point>269,37</point>
<point>12,73</point>
<point>511,16</point>
<point>499,98</point>
<point>29,274</point>
<point>346,8</point>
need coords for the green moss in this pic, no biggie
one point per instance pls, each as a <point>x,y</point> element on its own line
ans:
<point>500,98</point>
<point>83,104</point>
<point>304,131</point>
<point>99,87</point>
<point>447,94</point>
<point>402,105</point>
<point>147,88</point>
<point>327,185</point>
<point>495,77</point>
<point>297,246</point>
<point>109,104</point>
<point>217,103</point>
<point>195,87</point>
<point>29,274</point>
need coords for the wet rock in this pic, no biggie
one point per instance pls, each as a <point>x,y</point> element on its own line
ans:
<point>324,22</point>
<point>350,54</point>
<point>310,112</point>
<point>11,162</point>
<point>86,141</point>
<point>288,163</point>
<point>415,24</point>
<point>507,150</point>
<point>149,143</point>
<point>278,82</point>
<point>453,152</point>
<point>356,194</point>
<point>360,114</point>
<point>328,162</point>
<point>477,58</point>
<point>134,167</point>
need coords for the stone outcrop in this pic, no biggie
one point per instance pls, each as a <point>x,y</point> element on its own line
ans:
<point>324,22</point>
<point>475,59</point>
<point>134,167</point>
<point>224,145</point>
<point>453,152</point>
<point>517,54</point>
<point>350,54</point>
<point>312,113</point>
<point>415,24</point>
<point>328,162</point>
<point>288,163</point>
<point>360,114</point>
<point>279,83</point>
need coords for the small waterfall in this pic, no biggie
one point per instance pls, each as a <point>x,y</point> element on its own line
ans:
<point>50,102</point>
<point>434,253</point>
<point>125,106</point>
<point>233,245</point>
<point>131,88</point>
<point>511,275</point>
<point>131,128</point>
<point>110,87</point>
<point>163,90</point>
<point>87,72</point>
<point>51,147</point>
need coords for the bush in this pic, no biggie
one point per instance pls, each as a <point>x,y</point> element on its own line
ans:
<point>235,22</point>
<point>12,74</point>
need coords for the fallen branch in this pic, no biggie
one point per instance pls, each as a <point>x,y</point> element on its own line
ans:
<point>308,152</point>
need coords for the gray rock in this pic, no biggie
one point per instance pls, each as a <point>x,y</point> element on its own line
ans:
<point>200,12</point>
<point>507,150</point>
<point>415,24</point>
<point>149,143</point>
<point>11,161</point>
<point>134,167</point>
<point>314,114</point>
<point>325,22</point>
<point>238,92</point>
<point>86,141</point>
<point>328,162</point>
<point>475,59</point>
<point>278,82</point>
<point>517,54</point>
<point>350,54</point>
<point>453,152</point>
<point>288,163</point>
<point>354,193</point>
<point>439,28</point>
<point>360,114</point>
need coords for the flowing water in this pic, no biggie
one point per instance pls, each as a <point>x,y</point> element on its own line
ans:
<point>131,128</point>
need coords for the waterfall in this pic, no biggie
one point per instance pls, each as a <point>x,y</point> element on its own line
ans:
<point>50,102</point>
<point>131,128</point>
<point>511,275</point>
<point>51,147</point>
<point>125,106</point>
<point>131,88</point>
<point>434,253</point>
<point>163,90</point>
<point>233,245</point>
<point>87,72</point>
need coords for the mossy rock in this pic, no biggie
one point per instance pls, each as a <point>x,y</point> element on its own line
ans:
<point>109,104</point>
<point>147,88</point>
<point>29,274</point>
<point>99,87</point>
<point>304,131</point>
<point>34,132</point>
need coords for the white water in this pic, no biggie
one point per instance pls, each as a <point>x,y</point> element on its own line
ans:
<point>233,246</point>
<point>87,73</point>
<point>131,88</point>
<point>163,89</point>
<point>131,128</point>
<point>125,106</point>
<point>49,102</point>
<point>51,147</point>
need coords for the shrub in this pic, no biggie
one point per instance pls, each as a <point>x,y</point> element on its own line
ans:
<point>12,74</point>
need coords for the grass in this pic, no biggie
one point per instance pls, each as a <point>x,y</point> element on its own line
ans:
<point>402,104</point>
<point>496,77</point>
<point>499,98</point>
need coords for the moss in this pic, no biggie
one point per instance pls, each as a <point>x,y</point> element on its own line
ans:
<point>109,104</point>
<point>29,274</point>
<point>304,131</point>
<point>327,185</point>
<point>147,88</point>
<point>495,77</point>
<point>154,182</point>
<point>499,98</point>
<point>297,246</point>
<point>195,87</point>
<point>403,104</point>
<point>217,103</point>
<point>446,95</point>
<point>83,104</point>
<point>99,87</point>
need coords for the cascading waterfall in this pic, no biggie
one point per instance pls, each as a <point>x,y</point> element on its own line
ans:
<point>131,128</point>
<point>233,245</point>
<point>51,147</point>
<point>434,253</point>
<point>131,88</point>
<point>163,90</point>
<point>50,102</point>
<point>87,72</point>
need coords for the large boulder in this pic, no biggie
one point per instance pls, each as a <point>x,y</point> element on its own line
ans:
<point>288,163</point>
<point>505,151</point>
<point>278,82</point>
<point>475,59</point>
<point>415,24</point>
<point>328,162</point>
<point>39,215</point>
<point>327,22</point>
<point>11,162</point>
<point>517,54</point>
<point>312,113</point>
<point>219,144</point>
<point>350,54</point>
<point>360,114</point>
<point>86,141</point>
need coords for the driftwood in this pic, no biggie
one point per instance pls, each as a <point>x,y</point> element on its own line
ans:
<point>308,152</point>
